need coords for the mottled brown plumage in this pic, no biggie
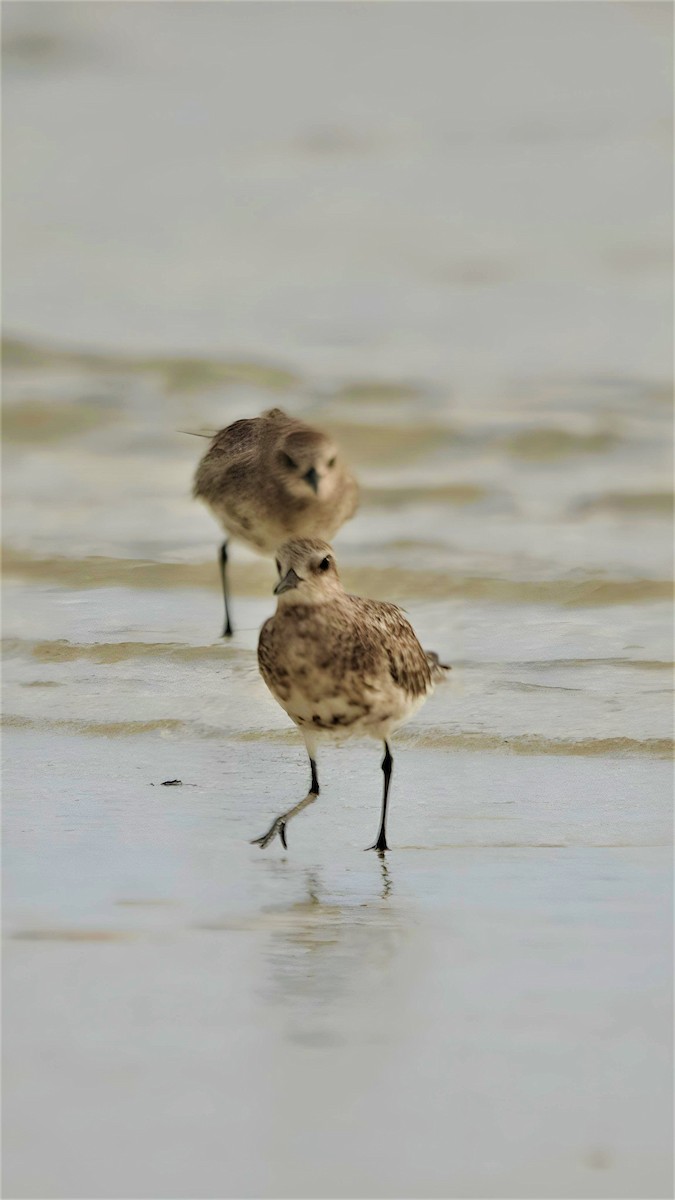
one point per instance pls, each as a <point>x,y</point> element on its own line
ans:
<point>257,495</point>
<point>340,665</point>
<point>272,478</point>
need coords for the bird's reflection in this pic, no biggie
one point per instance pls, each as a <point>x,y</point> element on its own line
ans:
<point>329,953</point>
<point>386,877</point>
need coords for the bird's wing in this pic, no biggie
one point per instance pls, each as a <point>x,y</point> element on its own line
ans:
<point>228,453</point>
<point>237,438</point>
<point>384,632</point>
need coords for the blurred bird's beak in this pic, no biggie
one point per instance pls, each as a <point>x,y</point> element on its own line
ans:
<point>312,479</point>
<point>290,580</point>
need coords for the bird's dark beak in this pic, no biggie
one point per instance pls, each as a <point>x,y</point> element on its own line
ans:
<point>290,580</point>
<point>312,479</point>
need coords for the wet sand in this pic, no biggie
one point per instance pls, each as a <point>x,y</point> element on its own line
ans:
<point>488,1014</point>
<point>191,1017</point>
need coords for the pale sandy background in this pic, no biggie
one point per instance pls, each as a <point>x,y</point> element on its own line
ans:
<point>443,230</point>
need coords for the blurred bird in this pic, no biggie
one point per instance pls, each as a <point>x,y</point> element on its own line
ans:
<point>272,478</point>
<point>341,666</point>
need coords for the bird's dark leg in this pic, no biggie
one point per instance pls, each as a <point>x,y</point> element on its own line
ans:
<point>222,558</point>
<point>278,826</point>
<point>387,762</point>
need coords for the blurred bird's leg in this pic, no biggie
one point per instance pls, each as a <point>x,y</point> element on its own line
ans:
<point>387,762</point>
<point>222,558</point>
<point>278,826</point>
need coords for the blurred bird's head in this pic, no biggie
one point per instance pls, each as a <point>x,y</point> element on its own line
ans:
<point>306,463</point>
<point>307,572</point>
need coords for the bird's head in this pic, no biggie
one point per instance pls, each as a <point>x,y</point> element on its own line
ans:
<point>306,463</point>
<point>307,572</point>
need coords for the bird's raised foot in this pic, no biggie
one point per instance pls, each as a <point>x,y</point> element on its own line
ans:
<point>277,827</point>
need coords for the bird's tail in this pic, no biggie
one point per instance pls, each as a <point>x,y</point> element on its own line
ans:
<point>439,670</point>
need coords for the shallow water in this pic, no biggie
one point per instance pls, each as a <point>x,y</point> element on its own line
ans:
<point>489,1012</point>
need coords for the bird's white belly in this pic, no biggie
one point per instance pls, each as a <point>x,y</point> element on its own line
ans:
<point>264,531</point>
<point>247,529</point>
<point>372,713</point>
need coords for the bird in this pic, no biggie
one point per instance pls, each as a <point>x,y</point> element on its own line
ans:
<point>339,665</point>
<point>271,478</point>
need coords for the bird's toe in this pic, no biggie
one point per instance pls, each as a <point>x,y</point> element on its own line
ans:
<point>277,827</point>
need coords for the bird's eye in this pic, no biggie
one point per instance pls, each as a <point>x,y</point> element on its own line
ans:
<point>288,461</point>
<point>331,461</point>
<point>278,566</point>
<point>324,564</point>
